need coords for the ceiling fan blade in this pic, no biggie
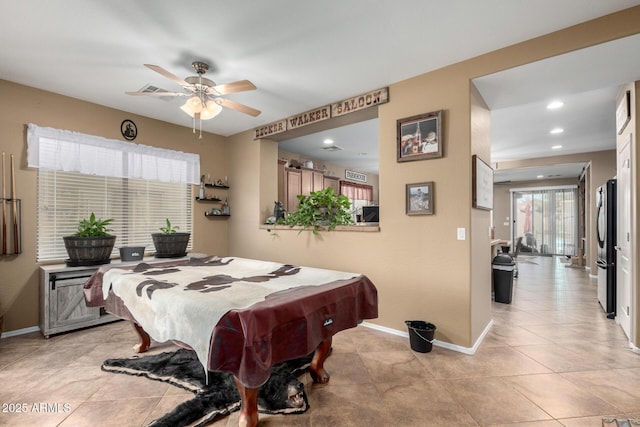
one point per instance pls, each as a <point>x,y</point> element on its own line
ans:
<point>239,107</point>
<point>156,93</point>
<point>239,86</point>
<point>158,69</point>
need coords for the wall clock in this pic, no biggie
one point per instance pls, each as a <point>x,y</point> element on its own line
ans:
<point>129,130</point>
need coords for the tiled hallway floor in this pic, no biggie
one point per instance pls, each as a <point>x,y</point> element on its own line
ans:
<point>551,358</point>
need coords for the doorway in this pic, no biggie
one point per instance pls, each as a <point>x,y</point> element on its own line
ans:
<point>546,219</point>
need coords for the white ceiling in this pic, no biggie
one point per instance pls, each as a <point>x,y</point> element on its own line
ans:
<point>300,55</point>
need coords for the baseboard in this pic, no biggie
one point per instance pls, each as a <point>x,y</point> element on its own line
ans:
<point>438,343</point>
<point>20,332</point>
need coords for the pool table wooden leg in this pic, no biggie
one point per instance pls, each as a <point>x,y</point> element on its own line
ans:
<point>316,369</point>
<point>249,409</point>
<point>143,338</point>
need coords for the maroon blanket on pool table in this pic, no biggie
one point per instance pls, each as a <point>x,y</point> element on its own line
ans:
<point>241,316</point>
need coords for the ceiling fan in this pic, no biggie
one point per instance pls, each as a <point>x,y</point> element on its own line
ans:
<point>205,97</point>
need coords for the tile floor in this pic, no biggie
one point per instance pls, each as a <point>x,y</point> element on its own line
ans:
<point>551,359</point>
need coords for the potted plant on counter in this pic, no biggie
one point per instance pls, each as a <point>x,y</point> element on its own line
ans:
<point>320,209</point>
<point>170,243</point>
<point>91,244</point>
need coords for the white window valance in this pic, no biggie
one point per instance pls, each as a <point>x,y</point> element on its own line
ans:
<point>70,151</point>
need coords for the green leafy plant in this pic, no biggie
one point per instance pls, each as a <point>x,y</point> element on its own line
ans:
<point>321,209</point>
<point>93,227</point>
<point>169,229</point>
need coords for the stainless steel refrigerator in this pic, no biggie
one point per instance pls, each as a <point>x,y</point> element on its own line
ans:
<point>606,237</point>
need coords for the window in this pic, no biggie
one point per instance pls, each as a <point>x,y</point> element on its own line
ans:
<point>359,195</point>
<point>138,207</point>
<point>546,219</point>
<point>139,187</point>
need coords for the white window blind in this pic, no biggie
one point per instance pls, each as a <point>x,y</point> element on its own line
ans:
<point>138,207</point>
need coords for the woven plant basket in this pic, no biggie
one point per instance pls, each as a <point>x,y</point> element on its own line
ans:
<point>89,250</point>
<point>172,245</point>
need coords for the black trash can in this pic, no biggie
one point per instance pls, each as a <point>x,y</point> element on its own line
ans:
<point>503,267</point>
<point>421,335</point>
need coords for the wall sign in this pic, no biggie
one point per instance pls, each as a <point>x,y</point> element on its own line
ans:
<point>347,106</point>
<point>355,176</point>
<point>308,118</point>
<point>270,129</point>
<point>360,102</point>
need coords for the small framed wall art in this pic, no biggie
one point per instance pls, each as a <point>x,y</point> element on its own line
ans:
<point>128,130</point>
<point>482,184</point>
<point>420,137</point>
<point>420,198</point>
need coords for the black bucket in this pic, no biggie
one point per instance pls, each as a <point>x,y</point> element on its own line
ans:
<point>421,335</point>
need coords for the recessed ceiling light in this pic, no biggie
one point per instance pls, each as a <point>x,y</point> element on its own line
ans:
<point>555,104</point>
<point>540,176</point>
<point>556,131</point>
<point>556,147</point>
<point>328,141</point>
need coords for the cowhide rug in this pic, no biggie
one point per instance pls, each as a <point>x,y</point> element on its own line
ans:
<point>281,394</point>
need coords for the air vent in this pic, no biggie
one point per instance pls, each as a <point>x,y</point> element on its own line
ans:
<point>155,89</point>
<point>333,148</point>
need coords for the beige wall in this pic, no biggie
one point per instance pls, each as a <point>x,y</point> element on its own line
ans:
<point>420,269</point>
<point>20,105</point>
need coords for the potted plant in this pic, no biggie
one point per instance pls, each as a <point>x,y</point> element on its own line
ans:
<point>170,243</point>
<point>320,209</point>
<point>91,244</point>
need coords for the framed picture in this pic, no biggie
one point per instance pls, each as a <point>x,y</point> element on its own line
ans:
<point>420,198</point>
<point>482,184</point>
<point>420,137</point>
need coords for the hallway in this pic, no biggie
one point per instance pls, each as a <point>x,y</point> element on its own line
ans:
<point>551,359</point>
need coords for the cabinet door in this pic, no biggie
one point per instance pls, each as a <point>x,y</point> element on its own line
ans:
<point>293,188</point>
<point>332,182</point>
<point>307,181</point>
<point>281,181</point>
<point>67,304</point>
<point>318,181</point>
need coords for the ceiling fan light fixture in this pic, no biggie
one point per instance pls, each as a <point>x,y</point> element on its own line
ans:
<point>192,106</point>
<point>211,110</point>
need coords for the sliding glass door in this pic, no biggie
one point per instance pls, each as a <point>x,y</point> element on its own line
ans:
<point>546,219</point>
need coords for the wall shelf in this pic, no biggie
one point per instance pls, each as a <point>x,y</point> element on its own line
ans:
<point>209,199</point>
<point>217,186</point>
<point>210,215</point>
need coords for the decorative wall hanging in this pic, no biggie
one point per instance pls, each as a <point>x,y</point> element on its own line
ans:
<point>128,130</point>
<point>420,198</point>
<point>482,184</point>
<point>420,137</point>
